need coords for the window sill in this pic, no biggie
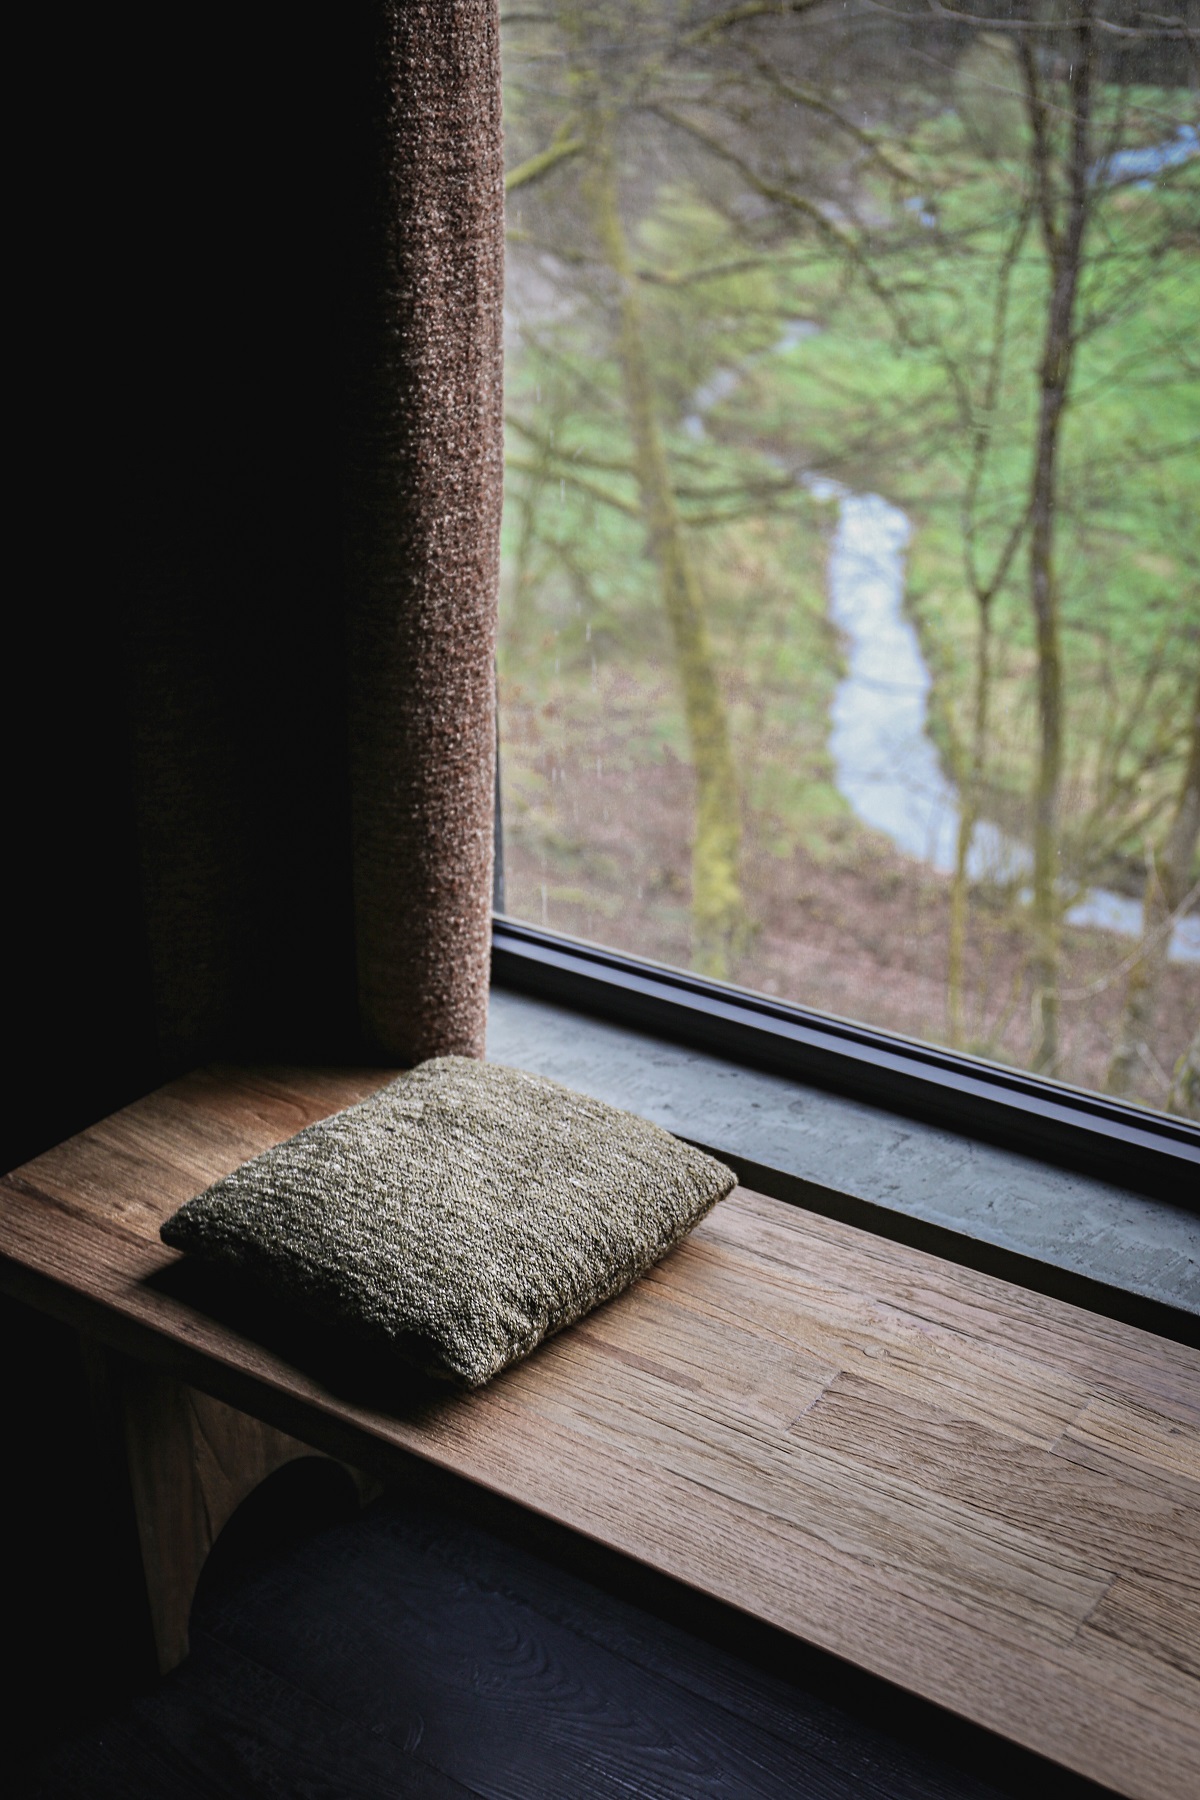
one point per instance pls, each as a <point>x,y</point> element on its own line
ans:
<point>1070,1234</point>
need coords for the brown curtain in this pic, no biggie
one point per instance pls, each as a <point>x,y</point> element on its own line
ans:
<point>424,486</point>
<point>397,647</point>
<point>253,727</point>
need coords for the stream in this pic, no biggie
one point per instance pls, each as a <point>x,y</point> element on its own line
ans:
<point>886,765</point>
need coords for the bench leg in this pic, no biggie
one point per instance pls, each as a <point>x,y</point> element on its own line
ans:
<point>191,1461</point>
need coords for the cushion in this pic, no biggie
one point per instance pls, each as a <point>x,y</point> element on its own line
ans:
<point>458,1216</point>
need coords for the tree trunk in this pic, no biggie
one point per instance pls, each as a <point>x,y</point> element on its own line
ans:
<point>1064,250</point>
<point>967,819</point>
<point>1185,1087</point>
<point>1048,779</point>
<point>718,916</point>
<point>1168,877</point>
<point>982,420</point>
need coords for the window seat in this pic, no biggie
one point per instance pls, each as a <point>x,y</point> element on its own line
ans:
<point>980,1493</point>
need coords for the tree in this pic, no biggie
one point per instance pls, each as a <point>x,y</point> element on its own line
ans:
<point>684,78</point>
<point>1185,1086</point>
<point>591,36</point>
<point>1168,881</point>
<point>1061,162</point>
<point>1061,145</point>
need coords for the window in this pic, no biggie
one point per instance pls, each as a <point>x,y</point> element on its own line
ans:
<point>850,617</point>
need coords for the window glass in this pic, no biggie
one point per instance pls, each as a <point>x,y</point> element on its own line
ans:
<point>850,616</point>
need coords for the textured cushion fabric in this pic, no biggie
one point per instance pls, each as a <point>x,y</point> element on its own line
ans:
<point>458,1216</point>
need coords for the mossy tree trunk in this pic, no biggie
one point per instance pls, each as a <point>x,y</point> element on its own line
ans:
<point>1185,1085</point>
<point>1063,218</point>
<point>1168,877</point>
<point>968,818</point>
<point>717,909</point>
<point>980,418</point>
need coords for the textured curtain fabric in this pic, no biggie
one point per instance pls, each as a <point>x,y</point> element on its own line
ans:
<point>316,742</point>
<point>424,486</point>
<point>313,650</point>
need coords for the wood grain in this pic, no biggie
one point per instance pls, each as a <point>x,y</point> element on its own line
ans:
<point>409,1652</point>
<point>985,1495</point>
<point>192,1461</point>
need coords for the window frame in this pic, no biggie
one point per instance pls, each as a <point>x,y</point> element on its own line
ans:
<point>1153,1153</point>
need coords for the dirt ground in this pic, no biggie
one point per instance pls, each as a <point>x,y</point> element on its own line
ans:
<point>597,846</point>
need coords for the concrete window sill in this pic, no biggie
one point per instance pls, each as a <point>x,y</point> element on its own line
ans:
<point>1073,1225</point>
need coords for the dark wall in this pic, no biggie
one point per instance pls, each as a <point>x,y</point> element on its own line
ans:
<point>176,819</point>
<point>175,822</point>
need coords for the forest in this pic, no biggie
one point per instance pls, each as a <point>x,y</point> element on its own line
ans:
<point>850,610</point>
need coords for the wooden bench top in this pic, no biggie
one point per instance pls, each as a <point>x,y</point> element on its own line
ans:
<point>987,1496</point>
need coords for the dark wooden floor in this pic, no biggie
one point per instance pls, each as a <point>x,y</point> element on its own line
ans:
<point>406,1652</point>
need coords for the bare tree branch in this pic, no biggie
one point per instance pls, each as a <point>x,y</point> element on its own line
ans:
<point>591,488</point>
<point>564,146</point>
<point>935,14</point>
<point>786,198</point>
<point>817,103</point>
<point>743,14</point>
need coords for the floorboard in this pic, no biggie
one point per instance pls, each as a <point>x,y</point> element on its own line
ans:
<point>407,1653</point>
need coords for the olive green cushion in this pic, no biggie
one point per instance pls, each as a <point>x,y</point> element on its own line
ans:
<point>458,1216</point>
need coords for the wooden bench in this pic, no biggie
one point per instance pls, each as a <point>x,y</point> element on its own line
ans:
<point>986,1496</point>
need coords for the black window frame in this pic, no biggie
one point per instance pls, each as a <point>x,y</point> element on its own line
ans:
<point>1156,1154</point>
